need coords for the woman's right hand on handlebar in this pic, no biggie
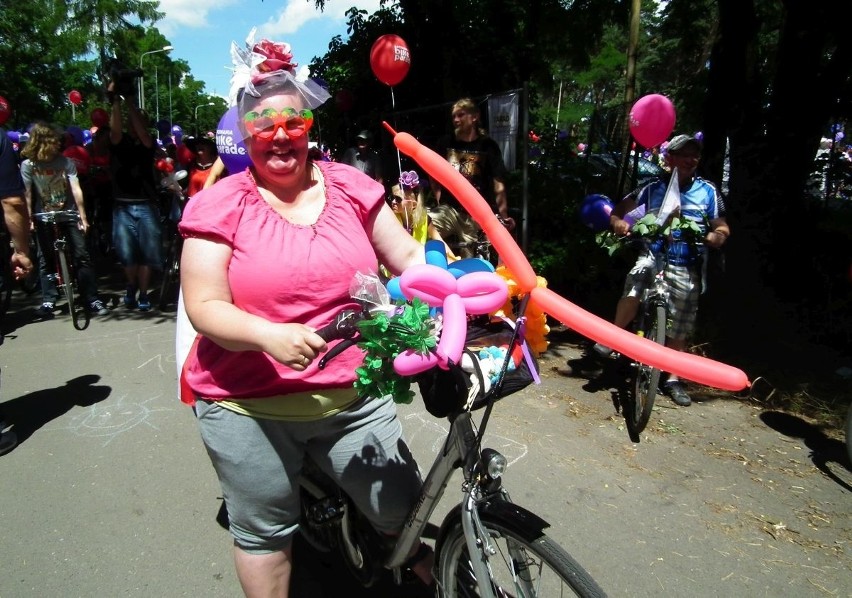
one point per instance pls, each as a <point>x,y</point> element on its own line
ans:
<point>294,345</point>
<point>620,227</point>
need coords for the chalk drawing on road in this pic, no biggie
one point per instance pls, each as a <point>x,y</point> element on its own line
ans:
<point>110,420</point>
<point>423,428</point>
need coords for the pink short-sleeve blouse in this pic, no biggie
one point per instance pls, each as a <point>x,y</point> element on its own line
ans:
<point>285,273</point>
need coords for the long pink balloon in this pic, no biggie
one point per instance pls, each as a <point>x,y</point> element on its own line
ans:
<point>694,367</point>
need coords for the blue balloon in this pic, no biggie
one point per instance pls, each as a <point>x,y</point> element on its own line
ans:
<point>76,134</point>
<point>87,136</point>
<point>394,289</point>
<point>593,198</point>
<point>468,265</point>
<point>177,131</point>
<point>595,214</point>
<point>14,136</point>
<point>436,254</point>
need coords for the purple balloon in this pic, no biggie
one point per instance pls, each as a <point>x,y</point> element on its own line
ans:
<point>14,136</point>
<point>76,134</point>
<point>177,131</point>
<point>229,142</point>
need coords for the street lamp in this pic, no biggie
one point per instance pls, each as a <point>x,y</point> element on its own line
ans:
<point>141,84</point>
<point>196,114</point>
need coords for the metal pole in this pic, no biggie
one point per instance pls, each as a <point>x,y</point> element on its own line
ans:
<point>170,100</point>
<point>157,98</point>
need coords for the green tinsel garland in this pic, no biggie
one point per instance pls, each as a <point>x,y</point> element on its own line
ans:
<point>384,337</point>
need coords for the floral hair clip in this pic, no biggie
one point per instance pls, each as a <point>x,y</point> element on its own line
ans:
<point>409,179</point>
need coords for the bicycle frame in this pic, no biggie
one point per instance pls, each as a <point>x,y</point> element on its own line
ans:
<point>63,261</point>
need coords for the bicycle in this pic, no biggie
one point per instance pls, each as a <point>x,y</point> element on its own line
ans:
<point>487,546</point>
<point>64,275</point>
<point>652,316</point>
<point>172,201</point>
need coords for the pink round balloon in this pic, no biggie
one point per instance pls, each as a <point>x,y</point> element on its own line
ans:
<point>652,119</point>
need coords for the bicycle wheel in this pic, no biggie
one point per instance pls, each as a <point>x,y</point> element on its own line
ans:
<point>849,434</point>
<point>79,314</point>
<point>519,567</point>
<point>646,378</point>
<point>171,275</point>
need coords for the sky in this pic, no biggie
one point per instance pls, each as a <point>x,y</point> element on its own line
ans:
<point>202,31</point>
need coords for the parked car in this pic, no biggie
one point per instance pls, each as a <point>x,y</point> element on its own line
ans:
<point>602,172</point>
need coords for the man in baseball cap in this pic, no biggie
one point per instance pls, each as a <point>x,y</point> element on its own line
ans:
<point>680,142</point>
<point>363,157</point>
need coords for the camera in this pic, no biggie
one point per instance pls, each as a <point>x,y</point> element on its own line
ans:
<point>123,77</point>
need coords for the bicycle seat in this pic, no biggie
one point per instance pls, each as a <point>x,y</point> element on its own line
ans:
<point>57,217</point>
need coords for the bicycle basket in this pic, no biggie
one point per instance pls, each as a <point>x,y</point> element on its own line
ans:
<point>448,391</point>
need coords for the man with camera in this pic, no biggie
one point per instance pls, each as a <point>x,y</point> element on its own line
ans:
<point>136,222</point>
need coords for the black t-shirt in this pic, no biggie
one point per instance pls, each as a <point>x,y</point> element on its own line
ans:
<point>132,168</point>
<point>480,161</point>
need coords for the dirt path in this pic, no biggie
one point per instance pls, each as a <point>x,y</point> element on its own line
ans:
<point>717,499</point>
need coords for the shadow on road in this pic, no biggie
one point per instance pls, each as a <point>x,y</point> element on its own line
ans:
<point>31,411</point>
<point>824,450</point>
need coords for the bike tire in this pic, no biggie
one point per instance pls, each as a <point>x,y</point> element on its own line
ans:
<point>646,379</point>
<point>171,276</point>
<point>79,314</point>
<point>558,574</point>
<point>849,434</point>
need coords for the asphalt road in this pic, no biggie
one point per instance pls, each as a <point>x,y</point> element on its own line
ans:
<point>110,492</point>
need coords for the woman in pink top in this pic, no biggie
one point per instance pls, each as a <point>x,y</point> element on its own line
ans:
<point>268,258</point>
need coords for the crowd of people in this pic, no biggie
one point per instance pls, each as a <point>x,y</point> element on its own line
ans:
<point>120,179</point>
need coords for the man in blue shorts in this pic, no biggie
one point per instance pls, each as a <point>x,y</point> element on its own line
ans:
<point>699,202</point>
<point>137,236</point>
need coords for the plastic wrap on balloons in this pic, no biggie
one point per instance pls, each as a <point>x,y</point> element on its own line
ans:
<point>652,119</point>
<point>5,111</point>
<point>595,211</point>
<point>229,143</point>
<point>99,117</point>
<point>390,59</point>
<point>75,97</point>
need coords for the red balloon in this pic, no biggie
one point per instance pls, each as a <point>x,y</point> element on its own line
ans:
<point>75,97</point>
<point>652,119</point>
<point>5,111</point>
<point>390,59</point>
<point>184,154</point>
<point>100,117</point>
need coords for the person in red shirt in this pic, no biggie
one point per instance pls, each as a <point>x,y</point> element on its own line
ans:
<point>205,156</point>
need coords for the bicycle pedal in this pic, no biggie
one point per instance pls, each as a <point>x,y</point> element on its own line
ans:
<point>326,511</point>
